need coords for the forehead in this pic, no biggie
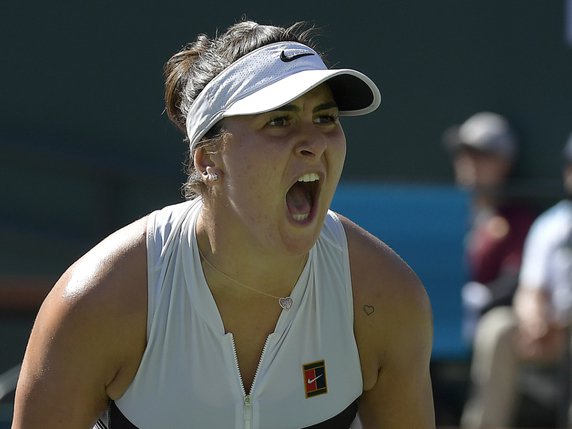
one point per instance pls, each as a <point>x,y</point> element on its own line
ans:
<point>317,99</point>
<point>320,94</point>
<point>469,151</point>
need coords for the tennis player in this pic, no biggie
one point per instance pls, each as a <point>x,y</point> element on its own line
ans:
<point>250,305</point>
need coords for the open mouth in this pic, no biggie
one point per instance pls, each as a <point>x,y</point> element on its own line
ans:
<point>302,196</point>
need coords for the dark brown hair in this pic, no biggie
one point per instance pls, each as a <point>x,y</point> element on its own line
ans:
<point>193,67</point>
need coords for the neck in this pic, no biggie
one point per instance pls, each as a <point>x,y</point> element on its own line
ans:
<point>243,262</point>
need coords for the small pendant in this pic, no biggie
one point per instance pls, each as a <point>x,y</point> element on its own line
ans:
<point>285,303</point>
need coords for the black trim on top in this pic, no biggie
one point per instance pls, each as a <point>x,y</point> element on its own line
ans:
<point>342,421</point>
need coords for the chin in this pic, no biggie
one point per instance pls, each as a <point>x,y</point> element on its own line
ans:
<point>303,240</point>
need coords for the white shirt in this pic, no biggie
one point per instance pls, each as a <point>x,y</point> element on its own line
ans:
<point>547,260</point>
<point>309,371</point>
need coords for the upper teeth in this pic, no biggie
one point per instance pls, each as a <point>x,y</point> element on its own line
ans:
<point>309,177</point>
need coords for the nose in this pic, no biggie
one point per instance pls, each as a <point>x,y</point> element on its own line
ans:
<point>312,143</point>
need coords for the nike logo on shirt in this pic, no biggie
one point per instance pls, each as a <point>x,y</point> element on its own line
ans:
<point>310,381</point>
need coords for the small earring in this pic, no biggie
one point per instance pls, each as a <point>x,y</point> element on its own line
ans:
<point>211,175</point>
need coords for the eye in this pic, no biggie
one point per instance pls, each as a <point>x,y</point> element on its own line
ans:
<point>329,118</point>
<point>279,121</point>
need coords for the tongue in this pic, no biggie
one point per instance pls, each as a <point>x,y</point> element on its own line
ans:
<point>298,200</point>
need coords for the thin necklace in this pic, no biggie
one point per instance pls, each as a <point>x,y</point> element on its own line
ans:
<point>284,301</point>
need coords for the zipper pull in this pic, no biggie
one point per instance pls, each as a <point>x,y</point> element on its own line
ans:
<point>247,412</point>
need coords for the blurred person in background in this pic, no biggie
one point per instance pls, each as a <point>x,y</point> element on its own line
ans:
<point>535,329</point>
<point>484,150</point>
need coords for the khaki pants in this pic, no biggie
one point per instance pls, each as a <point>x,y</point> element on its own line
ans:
<point>494,372</point>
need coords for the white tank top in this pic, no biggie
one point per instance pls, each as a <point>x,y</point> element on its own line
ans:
<point>309,371</point>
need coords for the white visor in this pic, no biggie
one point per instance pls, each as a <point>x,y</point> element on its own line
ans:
<point>270,77</point>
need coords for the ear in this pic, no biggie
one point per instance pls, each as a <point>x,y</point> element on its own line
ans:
<point>202,159</point>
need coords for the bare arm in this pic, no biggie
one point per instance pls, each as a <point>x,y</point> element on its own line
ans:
<point>393,328</point>
<point>540,335</point>
<point>87,338</point>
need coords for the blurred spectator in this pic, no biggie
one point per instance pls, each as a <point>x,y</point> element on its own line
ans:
<point>484,149</point>
<point>534,330</point>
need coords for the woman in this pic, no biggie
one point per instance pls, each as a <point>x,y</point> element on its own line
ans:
<point>250,305</point>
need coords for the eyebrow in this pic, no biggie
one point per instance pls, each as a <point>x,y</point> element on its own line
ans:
<point>319,107</point>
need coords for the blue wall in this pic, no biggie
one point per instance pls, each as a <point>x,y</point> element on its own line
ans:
<point>425,225</point>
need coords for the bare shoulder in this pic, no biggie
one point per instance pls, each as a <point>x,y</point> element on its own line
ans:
<point>89,335</point>
<point>393,331</point>
<point>109,279</point>
<point>114,270</point>
<point>381,279</point>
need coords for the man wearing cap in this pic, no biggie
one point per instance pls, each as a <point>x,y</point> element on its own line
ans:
<point>484,149</point>
<point>535,329</point>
